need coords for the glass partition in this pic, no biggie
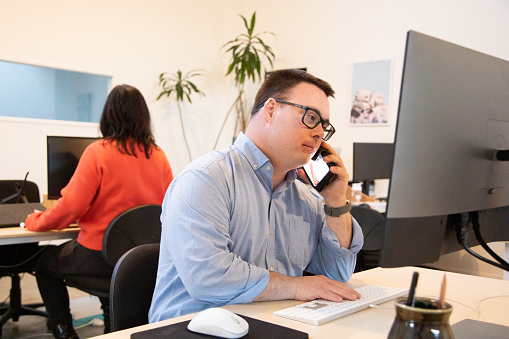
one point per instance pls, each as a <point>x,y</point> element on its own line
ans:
<point>29,91</point>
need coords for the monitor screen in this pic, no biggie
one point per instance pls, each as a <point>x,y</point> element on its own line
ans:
<point>372,161</point>
<point>64,154</point>
<point>453,112</point>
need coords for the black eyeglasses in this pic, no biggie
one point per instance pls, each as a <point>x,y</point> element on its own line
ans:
<point>312,118</point>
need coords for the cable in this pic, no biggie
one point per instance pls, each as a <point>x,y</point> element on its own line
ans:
<point>461,236</point>
<point>26,260</point>
<point>484,299</point>
<point>452,301</point>
<point>22,190</point>
<point>493,263</point>
<point>478,310</point>
<point>3,303</point>
<point>474,217</point>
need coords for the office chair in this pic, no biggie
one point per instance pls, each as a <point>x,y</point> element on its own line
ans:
<point>10,189</point>
<point>373,226</point>
<point>19,258</point>
<point>132,286</point>
<point>135,226</point>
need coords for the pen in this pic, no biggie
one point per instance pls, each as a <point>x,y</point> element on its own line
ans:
<point>442,293</point>
<point>411,293</point>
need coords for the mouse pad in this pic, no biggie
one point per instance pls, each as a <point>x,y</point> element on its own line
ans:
<point>257,329</point>
<point>469,328</point>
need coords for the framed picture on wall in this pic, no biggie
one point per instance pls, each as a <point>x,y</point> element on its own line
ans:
<point>371,86</point>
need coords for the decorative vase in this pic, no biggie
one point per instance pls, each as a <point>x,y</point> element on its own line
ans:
<point>424,320</point>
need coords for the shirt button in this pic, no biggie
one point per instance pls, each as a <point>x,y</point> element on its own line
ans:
<point>271,232</point>
<point>272,269</point>
<point>268,168</point>
<point>255,166</point>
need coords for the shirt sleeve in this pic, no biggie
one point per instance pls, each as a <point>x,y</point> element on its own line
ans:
<point>331,259</point>
<point>75,201</point>
<point>199,242</point>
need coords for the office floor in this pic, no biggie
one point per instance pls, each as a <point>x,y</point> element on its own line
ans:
<point>86,310</point>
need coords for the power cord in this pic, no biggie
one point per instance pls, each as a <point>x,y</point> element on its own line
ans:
<point>478,310</point>
<point>474,217</point>
<point>26,260</point>
<point>462,235</point>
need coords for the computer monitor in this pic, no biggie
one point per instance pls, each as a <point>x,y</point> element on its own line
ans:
<point>371,161</point>
<point>64,154</point>
<point>453,112</point>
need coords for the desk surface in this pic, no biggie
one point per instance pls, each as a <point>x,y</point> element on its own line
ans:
<point>464,293</point>
<point>18,235</point>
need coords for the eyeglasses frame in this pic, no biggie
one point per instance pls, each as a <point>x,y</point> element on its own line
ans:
<point>328,134</point>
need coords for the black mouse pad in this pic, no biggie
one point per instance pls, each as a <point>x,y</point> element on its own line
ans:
<point>469,328</point>
<point>257,329</point>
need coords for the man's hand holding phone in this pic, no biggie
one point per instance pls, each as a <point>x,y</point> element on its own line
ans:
<point>327,174</point>
<point>334,196</point>
<point>317,170</point>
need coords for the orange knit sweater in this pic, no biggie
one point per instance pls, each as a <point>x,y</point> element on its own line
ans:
<point>105,183</point>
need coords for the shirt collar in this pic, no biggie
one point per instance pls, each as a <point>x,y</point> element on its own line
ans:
<point>256,158</point>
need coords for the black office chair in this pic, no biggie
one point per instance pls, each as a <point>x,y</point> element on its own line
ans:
<point>135,226</point>
<point>373,226</point>
<point>18,259</point>
<point>10,192</point>
<point>132,286</point>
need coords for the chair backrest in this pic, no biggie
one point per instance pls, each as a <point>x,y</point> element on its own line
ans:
<point>10,188</point>
<point>132,286</point>
<point>135,226</point>
<point>372,224</point>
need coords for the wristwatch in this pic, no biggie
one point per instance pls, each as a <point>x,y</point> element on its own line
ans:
<point>337,211</point>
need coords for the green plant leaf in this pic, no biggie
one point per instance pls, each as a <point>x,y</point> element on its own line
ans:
<point>179,84</point>
<point>248,55</point>
<point>247,51</point>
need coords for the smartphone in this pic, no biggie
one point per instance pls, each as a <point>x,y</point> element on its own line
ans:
<point>317,170</point>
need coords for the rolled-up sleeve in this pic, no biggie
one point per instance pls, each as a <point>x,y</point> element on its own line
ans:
<point>334,261</point>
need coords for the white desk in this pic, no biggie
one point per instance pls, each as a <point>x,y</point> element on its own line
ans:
<point>18,235</point>
<point>463,292</point>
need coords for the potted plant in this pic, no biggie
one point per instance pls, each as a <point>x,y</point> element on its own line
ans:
<point>183,88</point>
<point>247,53</point>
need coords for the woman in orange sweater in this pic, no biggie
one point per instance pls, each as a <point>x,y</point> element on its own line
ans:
<point>122,170</point>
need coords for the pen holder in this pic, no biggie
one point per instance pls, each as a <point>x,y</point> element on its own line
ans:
<point>423,320</point>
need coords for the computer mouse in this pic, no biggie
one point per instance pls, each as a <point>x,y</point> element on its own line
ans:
<point>220,323</point>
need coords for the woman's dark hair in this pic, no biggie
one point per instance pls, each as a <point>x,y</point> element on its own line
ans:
<point>278,83</point>
<point>126,120</point>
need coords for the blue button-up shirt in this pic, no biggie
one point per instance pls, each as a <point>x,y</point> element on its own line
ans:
<point>224,229</point>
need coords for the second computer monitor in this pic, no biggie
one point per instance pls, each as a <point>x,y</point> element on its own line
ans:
<point>371,161</point>
<point>64,154</point>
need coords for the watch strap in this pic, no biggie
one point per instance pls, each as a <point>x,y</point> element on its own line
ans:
<point>337,211</point>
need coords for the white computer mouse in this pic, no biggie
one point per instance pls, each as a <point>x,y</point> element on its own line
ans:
<point>220,323</point>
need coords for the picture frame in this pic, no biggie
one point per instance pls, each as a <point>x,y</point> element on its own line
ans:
<point>371,89</point>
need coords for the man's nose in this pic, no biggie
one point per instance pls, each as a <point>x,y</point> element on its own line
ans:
<point>319,132</point>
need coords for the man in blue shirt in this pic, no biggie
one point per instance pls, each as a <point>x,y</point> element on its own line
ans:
<point>236,225</point>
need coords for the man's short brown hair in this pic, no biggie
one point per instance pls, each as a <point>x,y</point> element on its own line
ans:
<point>278,83</point>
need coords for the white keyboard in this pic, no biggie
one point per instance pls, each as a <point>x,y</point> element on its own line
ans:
<point>317,312</point>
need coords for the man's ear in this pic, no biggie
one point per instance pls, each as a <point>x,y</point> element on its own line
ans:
<point>269,109</point>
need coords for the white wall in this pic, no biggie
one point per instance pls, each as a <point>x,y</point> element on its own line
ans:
<point>23,146</point>
<point>134,41</point>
